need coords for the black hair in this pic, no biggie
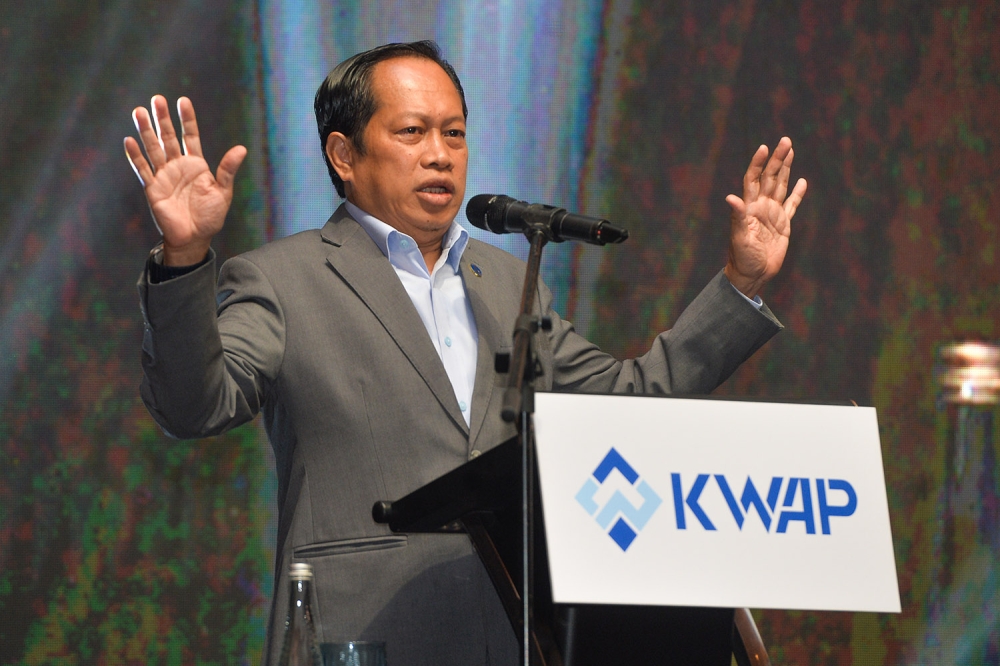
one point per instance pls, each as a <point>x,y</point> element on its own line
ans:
<point>345,102</point>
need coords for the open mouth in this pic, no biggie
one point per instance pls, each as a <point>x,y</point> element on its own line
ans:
<point>437,194</point>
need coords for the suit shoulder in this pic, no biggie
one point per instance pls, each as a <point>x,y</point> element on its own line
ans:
<point>297,247</point>
<point>306,247</point>
<point>294,244</point>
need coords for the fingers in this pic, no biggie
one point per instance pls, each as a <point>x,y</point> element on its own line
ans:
<point>770,178</point>
<point>144,126</point>
<point>162,143</point>
<point>165,127</point>
<point>751,179</point>
<point>158,135</point>
<point>230,164</point>
<point>139,164</point>
<point>190,138</point>
<point>781,183</point>
<point>793,201</point>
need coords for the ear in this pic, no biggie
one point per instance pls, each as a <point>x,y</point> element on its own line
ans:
<point>340,152</point>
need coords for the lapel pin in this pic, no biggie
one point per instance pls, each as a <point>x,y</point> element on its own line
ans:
<point>476,270</point>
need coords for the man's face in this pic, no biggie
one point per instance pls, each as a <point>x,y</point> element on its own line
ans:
<point>412,175</point>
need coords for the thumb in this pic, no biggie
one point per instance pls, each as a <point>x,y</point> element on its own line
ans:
<point>230,164</point>
<point>738,205</point>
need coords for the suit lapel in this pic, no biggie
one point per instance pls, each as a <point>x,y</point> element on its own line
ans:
<point>360,263</point>
<point>492,336</point>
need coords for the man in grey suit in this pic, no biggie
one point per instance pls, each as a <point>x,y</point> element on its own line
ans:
<point>368,344</point>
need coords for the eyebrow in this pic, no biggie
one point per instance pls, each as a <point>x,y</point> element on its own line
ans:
<point>426,117</point>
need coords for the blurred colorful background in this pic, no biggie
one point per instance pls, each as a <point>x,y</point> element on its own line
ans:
<point>119,545</point>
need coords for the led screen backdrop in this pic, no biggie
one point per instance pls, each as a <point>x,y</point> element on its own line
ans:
<point>119,545</point>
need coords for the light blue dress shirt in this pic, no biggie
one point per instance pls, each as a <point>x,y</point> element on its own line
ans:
<point>438,296</point>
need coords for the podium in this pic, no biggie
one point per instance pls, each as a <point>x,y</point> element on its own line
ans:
<point>658,516</point>
<point>482,499</point>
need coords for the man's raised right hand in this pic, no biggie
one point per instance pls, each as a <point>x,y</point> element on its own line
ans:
<point>188,203</point>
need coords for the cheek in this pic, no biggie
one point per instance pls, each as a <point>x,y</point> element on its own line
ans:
<point>403,165</point>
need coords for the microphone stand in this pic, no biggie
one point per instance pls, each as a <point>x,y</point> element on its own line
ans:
<point>519,405</point>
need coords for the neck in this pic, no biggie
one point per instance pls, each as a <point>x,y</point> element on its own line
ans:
<point>431,253</point>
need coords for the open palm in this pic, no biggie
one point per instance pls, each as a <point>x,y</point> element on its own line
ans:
<point>188,203</point>
<point>762,219</point>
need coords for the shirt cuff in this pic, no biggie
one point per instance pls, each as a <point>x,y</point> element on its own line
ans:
<point>755,301</point>
<point>157,272</point>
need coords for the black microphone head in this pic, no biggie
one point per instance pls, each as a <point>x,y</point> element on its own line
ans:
<point>609,233</point>
<point>486,211</point>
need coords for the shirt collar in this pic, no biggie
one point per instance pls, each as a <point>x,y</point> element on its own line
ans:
<point>401,250</point>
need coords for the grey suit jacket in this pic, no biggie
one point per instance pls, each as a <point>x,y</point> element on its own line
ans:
<point>316,332</point>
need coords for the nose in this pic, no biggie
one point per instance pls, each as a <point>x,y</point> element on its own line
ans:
<point>437,153</point>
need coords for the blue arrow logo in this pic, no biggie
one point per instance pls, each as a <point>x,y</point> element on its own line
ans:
<point>630,518</point>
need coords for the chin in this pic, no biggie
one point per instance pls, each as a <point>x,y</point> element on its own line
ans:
<point>435,225</point>
<point>438,221</point>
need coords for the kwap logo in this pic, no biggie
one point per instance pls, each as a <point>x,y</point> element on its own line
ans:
<point>786,501</point>
<point>630,518</point>
<point>835,498</point>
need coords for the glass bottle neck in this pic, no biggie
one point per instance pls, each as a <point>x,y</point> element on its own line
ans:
<point>299,597</point>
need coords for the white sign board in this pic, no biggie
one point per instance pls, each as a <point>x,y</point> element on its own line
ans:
<point>681,502</point>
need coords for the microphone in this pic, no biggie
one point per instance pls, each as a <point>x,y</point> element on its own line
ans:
<point>505,215</point>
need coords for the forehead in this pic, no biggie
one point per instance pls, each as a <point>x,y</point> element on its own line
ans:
<point>399,83</point>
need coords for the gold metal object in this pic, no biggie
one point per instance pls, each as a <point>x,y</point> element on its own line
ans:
<point>970,373</point>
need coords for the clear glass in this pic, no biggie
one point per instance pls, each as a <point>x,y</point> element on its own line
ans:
<point>963,599</point>
<point>300,647</point>
<point>354,653</point>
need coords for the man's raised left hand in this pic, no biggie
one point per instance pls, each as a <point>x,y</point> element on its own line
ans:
<point>761,220</point>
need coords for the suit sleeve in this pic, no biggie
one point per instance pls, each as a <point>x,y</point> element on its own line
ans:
<point>717,332</point>
<point>209,357</point>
